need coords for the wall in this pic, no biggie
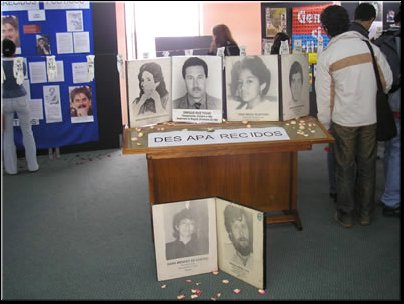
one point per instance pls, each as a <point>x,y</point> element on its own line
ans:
<point>243,19</point>
<point>121,28</point>
<point>106,75</point>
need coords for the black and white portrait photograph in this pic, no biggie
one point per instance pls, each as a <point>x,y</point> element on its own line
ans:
<point>185,238</point>
<point>188,233</point>
<point>241,242</point>
<point>149,85</point>
<point>252,88</point>
<point>197,89</point>
<point>295,86</point>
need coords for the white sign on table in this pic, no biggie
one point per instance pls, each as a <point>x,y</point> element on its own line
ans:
<point>222,136</point>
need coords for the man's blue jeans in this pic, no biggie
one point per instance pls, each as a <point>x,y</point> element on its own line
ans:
<point>391,196</point>
<point>355,151</point>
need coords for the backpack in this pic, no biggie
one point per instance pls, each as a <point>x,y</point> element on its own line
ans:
<point>387,44</point>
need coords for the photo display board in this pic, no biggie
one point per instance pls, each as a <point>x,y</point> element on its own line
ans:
<point>189,89</point>
<point>55,38</point>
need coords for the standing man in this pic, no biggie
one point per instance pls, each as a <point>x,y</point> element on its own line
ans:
<point>365,14</point>
<point>390,45</point>
<point>346,98</point>
<point>195,74</point>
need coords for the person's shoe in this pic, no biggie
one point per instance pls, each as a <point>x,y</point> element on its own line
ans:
<point>364,219</point>
<point>343,219</point>
<point>333,195</point>
<point>35,170</point>
<point>390,211</point>
<point>11,173</point>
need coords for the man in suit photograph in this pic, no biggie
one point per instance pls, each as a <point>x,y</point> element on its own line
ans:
<point>195,74</point>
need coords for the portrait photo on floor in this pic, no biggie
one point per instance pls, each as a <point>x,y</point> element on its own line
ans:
<point>206,235</point>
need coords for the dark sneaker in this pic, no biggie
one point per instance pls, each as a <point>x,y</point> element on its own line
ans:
<point>343,218</point>
<point>333,195</point>
<point>364,219</point>
<point>390,211</point>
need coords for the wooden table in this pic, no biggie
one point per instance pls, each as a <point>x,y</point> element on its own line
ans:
<point>261,175</point>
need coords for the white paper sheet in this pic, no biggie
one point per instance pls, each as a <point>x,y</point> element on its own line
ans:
<point>36,15</point>
<point>221,136</point>
<point>64,43</point>
<point>74,20</point>
<point>52,5</point>
<point>80,72</point>
<point>81,42</point>
<point>36,109</point>
<point>37,72</point>
<point>53,111</point>
<point>12,6</point>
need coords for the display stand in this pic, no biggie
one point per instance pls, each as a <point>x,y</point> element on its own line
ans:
<point>262,175</point>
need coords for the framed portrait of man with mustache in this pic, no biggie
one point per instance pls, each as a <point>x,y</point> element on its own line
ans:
<point>240,232</point>
<point>197,88</point>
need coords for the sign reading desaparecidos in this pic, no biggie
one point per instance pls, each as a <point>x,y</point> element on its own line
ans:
<point>186,137</point>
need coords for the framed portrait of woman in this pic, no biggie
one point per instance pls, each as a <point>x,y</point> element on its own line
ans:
<point>252,88</point>
<point>149,91</point>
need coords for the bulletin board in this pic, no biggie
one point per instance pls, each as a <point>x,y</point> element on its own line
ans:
<point>67,27</point>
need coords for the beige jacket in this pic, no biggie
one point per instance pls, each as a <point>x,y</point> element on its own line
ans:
<point>346,83</point>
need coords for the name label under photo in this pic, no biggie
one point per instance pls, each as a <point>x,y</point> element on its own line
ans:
<point>222,136</point>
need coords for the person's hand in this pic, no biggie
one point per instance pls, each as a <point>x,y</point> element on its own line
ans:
<point>143,98</point>
<point>81,112</point>
<point>147,95</point>
<point>44,50</point>
<point>155,96</point>
<point>73,111</point>
<point>157,102</point>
